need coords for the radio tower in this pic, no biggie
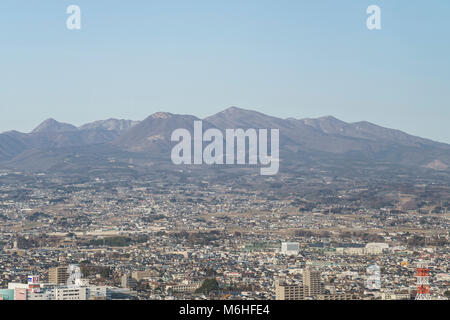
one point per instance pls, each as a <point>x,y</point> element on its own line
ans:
<point>423,283</point>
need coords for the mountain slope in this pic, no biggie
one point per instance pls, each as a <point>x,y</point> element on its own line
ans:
<point>49,140</point>
<point>11,144</point>
<point>153,134</point>
<point>51,125</point>
<point>118,125</point>
<point>328,135</point>
<point>367,130</point>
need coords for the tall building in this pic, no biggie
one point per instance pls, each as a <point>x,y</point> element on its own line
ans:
<point>312,283</point>
<point>285,291</point>
<point>58,275</point>
<point>128,282</point>
<point>290,248</point>
<point>71,293</point>
<point>46,291</point>
<point>140,275</point>
<point>186,286</point>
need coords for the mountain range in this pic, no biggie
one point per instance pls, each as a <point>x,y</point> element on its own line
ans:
<point>52,143</point>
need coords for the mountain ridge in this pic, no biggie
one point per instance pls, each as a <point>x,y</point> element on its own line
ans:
<point>326,136</point>
<point>51,125</point>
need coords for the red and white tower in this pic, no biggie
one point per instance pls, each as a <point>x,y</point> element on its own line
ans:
<point>423,281</point>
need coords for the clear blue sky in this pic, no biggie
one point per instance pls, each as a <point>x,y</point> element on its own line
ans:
<point>284,58</point>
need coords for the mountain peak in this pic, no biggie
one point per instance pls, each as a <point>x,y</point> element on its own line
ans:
<point>330,118</point>
<point>51,125</point>
<point>161,115</point>
<point>327,124</point>
<point>234,117</point>
<point>235,112</point>
<point>110,124</point>
<point>234,109</point>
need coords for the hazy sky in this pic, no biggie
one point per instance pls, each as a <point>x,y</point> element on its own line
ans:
<point>284,58</point>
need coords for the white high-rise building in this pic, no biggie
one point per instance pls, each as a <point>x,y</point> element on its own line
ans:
<point>290,248</point>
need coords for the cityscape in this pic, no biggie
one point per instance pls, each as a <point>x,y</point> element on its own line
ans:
<point>237,237</point>
<point>224,158</point>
